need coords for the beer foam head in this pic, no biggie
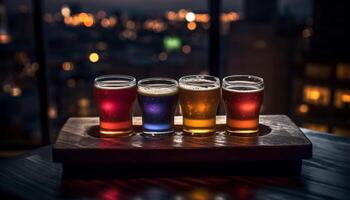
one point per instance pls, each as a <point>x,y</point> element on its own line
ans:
<point>157,86</point>
<point>242,86</point>
<point>114,82</point>
<point>199,83</point>
<point>158,89</point>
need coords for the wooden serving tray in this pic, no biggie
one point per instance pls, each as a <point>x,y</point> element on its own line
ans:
<point>279,140</point>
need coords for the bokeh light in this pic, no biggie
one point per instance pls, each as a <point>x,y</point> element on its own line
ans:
<point>94,57</point>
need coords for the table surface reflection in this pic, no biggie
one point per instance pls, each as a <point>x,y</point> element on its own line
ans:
<point>327,175</point>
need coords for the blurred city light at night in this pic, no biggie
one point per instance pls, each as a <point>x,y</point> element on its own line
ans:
<point>94,57</point>
<point>191,26</point>
<point>190,17</point>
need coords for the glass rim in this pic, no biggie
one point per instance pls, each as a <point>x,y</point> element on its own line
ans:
<point>172,82</point>
<point>127,81</point>
<point>254,80</point>
<point>215,81</point>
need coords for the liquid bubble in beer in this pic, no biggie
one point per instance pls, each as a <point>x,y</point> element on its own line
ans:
<point>115,96</point>
<point>157,99</point>
<point>243,96</point>
<point>199,100</point>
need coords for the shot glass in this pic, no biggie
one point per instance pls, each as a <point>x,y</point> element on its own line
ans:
<point>157,98</point>
<point>243,97</point>
<point>199,100</point>
<point>115,96</point>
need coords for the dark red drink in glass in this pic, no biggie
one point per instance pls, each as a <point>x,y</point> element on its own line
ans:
<point>243,96</point>
<point>115,96</point>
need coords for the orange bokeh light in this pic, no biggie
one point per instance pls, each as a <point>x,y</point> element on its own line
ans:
<point>191,26</point>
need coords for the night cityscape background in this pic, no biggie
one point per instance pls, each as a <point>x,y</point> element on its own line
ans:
<point>299,47</point>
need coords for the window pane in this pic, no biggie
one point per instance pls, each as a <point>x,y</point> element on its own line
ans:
<point>316,95</point>
<point>343,71</point>
<point>19,107</point>
<point>141,38</point>
<point>299,48</point>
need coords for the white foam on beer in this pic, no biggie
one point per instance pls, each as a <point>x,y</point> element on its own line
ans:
<point>243,87</point>
<point>158,90</point>
<point>199,84</point>
<point>114,84</point>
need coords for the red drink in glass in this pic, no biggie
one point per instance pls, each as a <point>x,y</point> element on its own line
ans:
<point>243,96</point>
<point>115,96</point>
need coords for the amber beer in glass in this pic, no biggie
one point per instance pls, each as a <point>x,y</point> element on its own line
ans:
<point>199,97</point>
<point>115,96</point>
<point>243,96</point>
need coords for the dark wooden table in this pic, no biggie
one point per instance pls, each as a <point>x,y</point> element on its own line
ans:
<point>326,176</point>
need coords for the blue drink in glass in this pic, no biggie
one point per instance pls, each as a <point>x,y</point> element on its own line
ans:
<point>157,98</point>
